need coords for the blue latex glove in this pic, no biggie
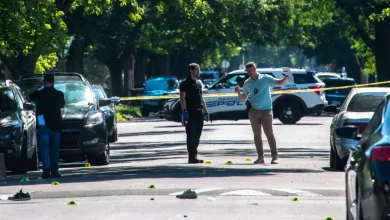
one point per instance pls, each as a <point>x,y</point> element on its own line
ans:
<point>207,116</point>
<point>185,115</point>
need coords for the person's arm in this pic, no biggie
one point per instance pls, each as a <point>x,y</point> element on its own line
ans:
<point>242,96</point>
<point>183,93</point>
<point>32,95</point>
<point>279,82</point>
<point>183,101</point>
<point>204,106</point>
<point>62,100</point>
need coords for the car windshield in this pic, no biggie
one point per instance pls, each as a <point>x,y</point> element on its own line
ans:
<point>207,76</point>
<point>7,101</point>
<point>76,94</point>
<point>324,77</point>
<point>98,93</point>
<point>366,102</point>
<point>161,84</point>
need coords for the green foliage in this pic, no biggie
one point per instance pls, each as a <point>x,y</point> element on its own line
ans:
<point>96,72</point>
<point>123,111</point>
<point>46,62</point>
<point>28,26</point>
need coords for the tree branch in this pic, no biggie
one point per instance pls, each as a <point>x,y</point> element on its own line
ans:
<point>359,26</point>
<point>64,5</point>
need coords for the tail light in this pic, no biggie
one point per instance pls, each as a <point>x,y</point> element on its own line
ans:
<point>361,126</point>
<point>316,87</point>
<point>380,153</point>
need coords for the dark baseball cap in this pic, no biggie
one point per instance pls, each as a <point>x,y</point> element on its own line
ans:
<point>48,77</point>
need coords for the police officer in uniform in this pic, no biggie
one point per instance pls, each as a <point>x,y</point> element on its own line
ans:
<point>194,110</point>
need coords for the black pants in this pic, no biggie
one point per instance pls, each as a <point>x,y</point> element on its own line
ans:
<point>194,131</point>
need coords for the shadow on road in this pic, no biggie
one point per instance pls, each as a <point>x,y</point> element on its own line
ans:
<point>157,132</point>
<point>131,153</point>
<point>106,173</point>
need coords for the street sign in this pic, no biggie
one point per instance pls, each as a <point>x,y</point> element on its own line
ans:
<point>225,64</point>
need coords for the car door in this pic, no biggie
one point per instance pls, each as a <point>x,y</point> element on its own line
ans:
<point>28,117</point>
<point>225,103</point>
<point>357,160</point>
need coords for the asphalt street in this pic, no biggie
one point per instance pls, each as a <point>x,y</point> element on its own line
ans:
<point>153,152</point>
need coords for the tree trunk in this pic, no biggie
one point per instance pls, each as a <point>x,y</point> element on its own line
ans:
<point>75,59</point>
<point>8,74</point>
<point>140,69</point>
<point>382,49</point>
<point>116,68</point>
<point>21,65</point>
<point>128,71</point>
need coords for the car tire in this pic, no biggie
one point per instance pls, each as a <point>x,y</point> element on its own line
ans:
<point>290,112</point>
<point>339,164</point>
<point>332,157</point>
<point>33,163</point>
<point>101,159</point>
<point>144,113</point>
<point>114,136</point>
<point>176,114</point>
<point>21,167</point>
<point>359,210</point>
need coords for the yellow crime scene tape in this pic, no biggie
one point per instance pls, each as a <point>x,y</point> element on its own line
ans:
<point>277,92</point>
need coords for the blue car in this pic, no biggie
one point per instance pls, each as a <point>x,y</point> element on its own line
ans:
<point>158,86</point>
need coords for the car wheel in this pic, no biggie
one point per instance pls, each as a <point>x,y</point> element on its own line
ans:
<point>339,164</point>
<point>332,157</point>
<point>21,166</point>
<point>114,136</point>
<point>176,114</point>
<point>33,163</point>
<point>145,113</point>
<point>101,159</point>
<point>359,210</point>
<point>290,113</point>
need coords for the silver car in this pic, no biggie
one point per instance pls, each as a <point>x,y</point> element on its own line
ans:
<point>356,111</point>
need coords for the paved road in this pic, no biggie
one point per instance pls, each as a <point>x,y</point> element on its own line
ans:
<point>153,152</point>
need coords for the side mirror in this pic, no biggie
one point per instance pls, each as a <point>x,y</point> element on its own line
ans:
<point>331,109</point>
<point>115,99</point>
<point>348,132</point>
<point>28,106</point>
<point>104,102</point>
<point>219,86</point>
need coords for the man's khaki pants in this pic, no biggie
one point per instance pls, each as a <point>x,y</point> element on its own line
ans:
<point>263,118</point>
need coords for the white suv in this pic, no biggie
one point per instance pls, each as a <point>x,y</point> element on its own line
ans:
<point>289,108</point>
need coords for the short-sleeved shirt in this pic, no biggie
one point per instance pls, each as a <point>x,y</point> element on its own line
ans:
<point>259,91</point>
<point>49,102</point>
<point>193,90</point>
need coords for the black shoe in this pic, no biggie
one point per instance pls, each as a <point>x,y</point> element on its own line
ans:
<point>195,161</point>
<point>45,174</point>
<point>55,175</point>
<point>20,196</point>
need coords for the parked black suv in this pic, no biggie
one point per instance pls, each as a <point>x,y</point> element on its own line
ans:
<point>84,130</point>
<point>18,140</point>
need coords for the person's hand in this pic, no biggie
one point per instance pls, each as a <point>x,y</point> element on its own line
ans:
<point>207,116</point>
<point>39,85</point>
<point>185,115</point>
<point>237,89</point>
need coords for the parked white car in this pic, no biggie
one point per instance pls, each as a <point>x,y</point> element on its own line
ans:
<point>356,111</point>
